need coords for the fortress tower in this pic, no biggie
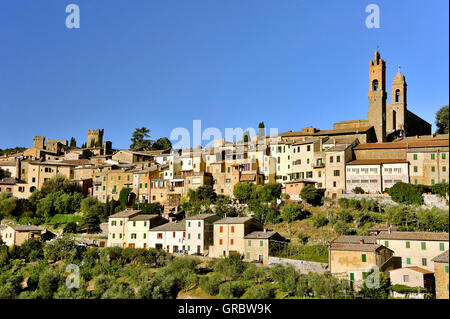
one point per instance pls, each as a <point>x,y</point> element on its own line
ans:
<point>95,138</point>
<point>377,97</point>
<point>39,142</point>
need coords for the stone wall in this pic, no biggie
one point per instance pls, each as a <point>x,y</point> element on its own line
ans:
<point>301,265</point>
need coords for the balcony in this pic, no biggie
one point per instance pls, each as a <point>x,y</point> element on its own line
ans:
<point>318,165</point>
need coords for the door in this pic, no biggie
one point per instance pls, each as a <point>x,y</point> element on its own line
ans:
<point>198,249</point>
<point>334,196</point>
<point>260,259</point>
<point>131,245</point>
<point>175,249</point>
<point>168,248</point>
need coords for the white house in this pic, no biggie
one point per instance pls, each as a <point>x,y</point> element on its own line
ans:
<point>171,237</point>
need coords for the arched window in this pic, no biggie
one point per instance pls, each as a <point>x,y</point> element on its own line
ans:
<point>397,96</point>
<point>375,85</point>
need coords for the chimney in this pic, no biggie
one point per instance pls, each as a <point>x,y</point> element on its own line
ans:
<point>417,137</point>
<point>265,230</point>
<point>361,241</point>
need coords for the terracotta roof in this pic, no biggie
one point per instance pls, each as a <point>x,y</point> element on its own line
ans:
<point>442,258</point>
<point>356,247</point>
<point>414,268</point>
<point>248,177</point>
<point>377,161</point>
<point>409,144</point>
<point>355,240</point>
<point>126,213</point>
<point>413,236</point>
<point>7,163</point>
<point>338,148</point>
<point>300,181</point>
<point>174,226</point>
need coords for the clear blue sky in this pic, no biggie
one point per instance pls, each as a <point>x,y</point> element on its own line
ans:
<point>230,63</point>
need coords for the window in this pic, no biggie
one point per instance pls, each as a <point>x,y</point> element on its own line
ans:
<point>231,241</point>
<point>159,235</point>
<point>133,236</point>
<point>232,229</point>
<point>415,169</point>
<point>444,156</point>
<point>220,242</point>
<point>113,235</point>
<point>221,229</point>
<point>441,246</point>
<point>199,224</point>
<point>308,148</point>
<point>364,275</point>
<point>134,224</point>
<point>408,261</point>
<point>424,245</point>
<point>121,223</point>
<point>446,269</point>
<point>352,276</point>
<point>120,235</point>
<point>424,261</point>
<point>261,243</point>
<point>405,278</point>
<point>189,236</point>
<point>415,157</point>
<point>408,244</point>
<point>248,255</point>
<point>433,156</point>
<point>397,95</point>
<point>249,243</point>
<point>375,85</point>
<point>432,182</point>
<point>145,236</point>
<point>363,258</point>
<point>433,168</point>
<point>336,172</point>
<point>386,244</point>
<point>198,236</point>
<point>173,234</point>
<point>331,159</point>
<point>338,159</point>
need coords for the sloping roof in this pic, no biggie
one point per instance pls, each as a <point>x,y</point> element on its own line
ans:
<point>383,228</point>
<point>125,213</point>
<point>356,247</point>
<point>338,148</point>
<point>413,236</point>
<point>376,161</point>
<point>26,228</point>
<point>261,235</point>
<point>142,217</point>
<point>406,144</point>
<point>355,239</point>
<point>233,220</point>
<point>442,258</point>
<point>414,268</point>
<point>201,216</point>
<point>180,226</point>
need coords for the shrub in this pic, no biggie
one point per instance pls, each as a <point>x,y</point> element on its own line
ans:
<point>211,284</point>
<point>319,221</point>
<point>358,190</point>
<point>311,195</point>
<point>231,266</point>
<point>232,289</point>
<point>264,291</point>
<point>404,193</point>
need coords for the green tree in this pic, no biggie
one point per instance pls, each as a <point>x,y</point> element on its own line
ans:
<point>140,141</point>
<point>311,195</point>
<point>162,144</point>
<point>292,211</point>
<point>73,142</point>
<point>442,120</point>
<point>224,206</point>
<point>405,193</point>
<point>242,191</point>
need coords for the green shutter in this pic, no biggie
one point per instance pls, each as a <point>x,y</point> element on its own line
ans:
<point>408,261</point>
<point>248,255</point>
<point>386,244</point>
<point>441,246</point>
<point>189,237</point>
<point>352,276</point>
<point>198,236</point>
<point>424,246</point>
<point>364,275</point>
<point>363,258</point>
<point>249,243</point>
<point>446,269</point>
<point>415,157</point>
<point>408,244</point>
<point>261,243</point>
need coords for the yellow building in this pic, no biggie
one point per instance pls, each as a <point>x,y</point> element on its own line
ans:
<point>441,275</point>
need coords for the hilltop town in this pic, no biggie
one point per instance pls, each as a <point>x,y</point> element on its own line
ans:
<point>368,194</point>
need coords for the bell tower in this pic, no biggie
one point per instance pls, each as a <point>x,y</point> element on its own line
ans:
<point>377,96</point>
<point>399,100</point>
